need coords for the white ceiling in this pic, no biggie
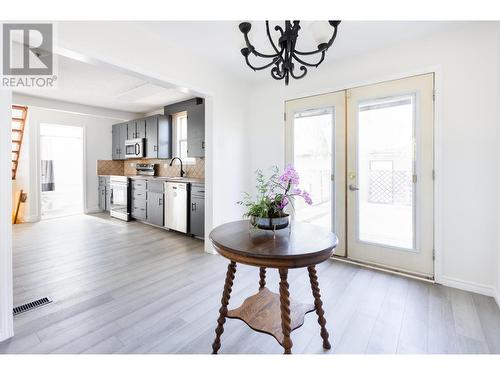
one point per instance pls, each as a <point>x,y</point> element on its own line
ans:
<point>102,86</point>
<point>220,41</point>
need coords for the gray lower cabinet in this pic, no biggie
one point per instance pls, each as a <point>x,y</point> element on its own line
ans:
<point>155,203</point>
<point>104,193</point>
<point>197,210</point>
<point>155,210</point>
<point>148,201</point>
<point>138,209</point>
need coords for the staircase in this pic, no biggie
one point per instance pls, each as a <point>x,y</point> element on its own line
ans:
<point>19,114</point>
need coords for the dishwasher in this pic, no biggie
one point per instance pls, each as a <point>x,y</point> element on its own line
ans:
<point>176,206</point>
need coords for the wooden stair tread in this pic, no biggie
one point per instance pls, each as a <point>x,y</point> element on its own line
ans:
<point>17,127</point>
<point>262,313</point>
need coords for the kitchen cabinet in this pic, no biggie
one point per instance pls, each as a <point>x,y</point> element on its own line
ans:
<point>139,128</point>
<point>139,199</point>
<point>155,203</point>
<point>197,210</point>
<point>104,194</point>
<point>119,136</point>
<point>158,137</point>
<point>196,131</point>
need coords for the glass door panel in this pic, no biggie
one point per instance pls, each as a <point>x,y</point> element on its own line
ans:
<point>313,132</point>
<point>389,174</point>
<point>315,145</point>
<point>386,205</point>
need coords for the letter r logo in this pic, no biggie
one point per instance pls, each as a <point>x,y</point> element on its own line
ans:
<point>27,49</point>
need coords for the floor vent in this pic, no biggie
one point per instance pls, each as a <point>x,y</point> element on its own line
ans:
<point>31,305</point>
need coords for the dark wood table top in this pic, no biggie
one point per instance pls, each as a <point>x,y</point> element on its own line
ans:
<point>304,245</point>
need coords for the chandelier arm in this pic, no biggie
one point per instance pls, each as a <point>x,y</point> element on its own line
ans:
<point>271,39</point>
<point>307,63</point>
<point>324,48</point>
<point>276,74</point>
<point>276,59</point>
<point>256,53</point>
<point>279,28</point>
<point>304,72</point>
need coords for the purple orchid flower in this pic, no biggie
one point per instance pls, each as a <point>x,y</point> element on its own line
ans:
<point>290,176</point>
<point>307,197</point>
<point>283,203</point>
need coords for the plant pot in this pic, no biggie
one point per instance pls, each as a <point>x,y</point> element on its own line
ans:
<point>273,223</point>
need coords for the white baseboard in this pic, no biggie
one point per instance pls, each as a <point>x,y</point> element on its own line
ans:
<point>469,286</point>
<point>497,297</point>
<point>92,210</point>
<point>5,336</point>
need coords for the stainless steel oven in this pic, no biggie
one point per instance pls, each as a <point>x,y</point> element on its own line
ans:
<point>134,148</point>
<point>120,197</point>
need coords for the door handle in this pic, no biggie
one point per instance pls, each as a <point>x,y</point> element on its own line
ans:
<point>353,187</point>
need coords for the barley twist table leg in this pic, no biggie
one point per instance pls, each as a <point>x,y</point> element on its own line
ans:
<point>318,304</point>
<point>231,270</point>
<point>262,274</point>
<point>285,311</point>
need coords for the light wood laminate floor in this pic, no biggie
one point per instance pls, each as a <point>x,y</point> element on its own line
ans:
<point>130,288</point>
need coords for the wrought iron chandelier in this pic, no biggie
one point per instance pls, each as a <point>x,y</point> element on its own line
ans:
<point>283,59</point>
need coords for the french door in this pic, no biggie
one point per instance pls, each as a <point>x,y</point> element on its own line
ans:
<point>315,134</point>
<point>381,157</point>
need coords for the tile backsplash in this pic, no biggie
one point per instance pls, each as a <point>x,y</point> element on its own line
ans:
<point>164,170</point>
<point>110,167</point>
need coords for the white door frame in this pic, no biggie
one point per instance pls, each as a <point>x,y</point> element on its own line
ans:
<point>6,289</point>
<point>438,145</point>
<point>37,170</point>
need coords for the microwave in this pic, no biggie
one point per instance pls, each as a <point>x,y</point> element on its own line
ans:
<point>134,148</point>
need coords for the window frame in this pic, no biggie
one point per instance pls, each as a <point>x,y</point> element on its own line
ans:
<point>176,136</point>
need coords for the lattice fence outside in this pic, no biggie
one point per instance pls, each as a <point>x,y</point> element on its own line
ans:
<point>390,186</point>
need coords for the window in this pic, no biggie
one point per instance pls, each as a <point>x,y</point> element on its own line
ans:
<point>179,121</point>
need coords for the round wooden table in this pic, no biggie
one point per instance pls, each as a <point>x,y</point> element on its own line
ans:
<point>302,245</point>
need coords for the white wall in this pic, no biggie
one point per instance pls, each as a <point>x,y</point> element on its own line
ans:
<point>6,324</point>
<point>467,64</point>
<point>97,132</point>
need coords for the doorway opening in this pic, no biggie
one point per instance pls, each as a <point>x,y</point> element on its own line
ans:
<point>61,171</point>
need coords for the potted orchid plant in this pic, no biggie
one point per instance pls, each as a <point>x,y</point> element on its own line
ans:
<point>274,194</point>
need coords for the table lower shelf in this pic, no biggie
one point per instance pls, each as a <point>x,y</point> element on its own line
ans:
<point>262,313</point>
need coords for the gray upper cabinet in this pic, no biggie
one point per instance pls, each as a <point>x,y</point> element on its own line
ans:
<point>196,131</point>
<point>115,140</point>
<point>140,128</point>
<point>164,137</point>
<point>158,137</point>
<point>119,133</point>
<point>131,131</point>
<point>152,137</point>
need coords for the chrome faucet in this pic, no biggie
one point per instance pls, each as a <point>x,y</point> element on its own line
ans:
<point>172,161</point>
